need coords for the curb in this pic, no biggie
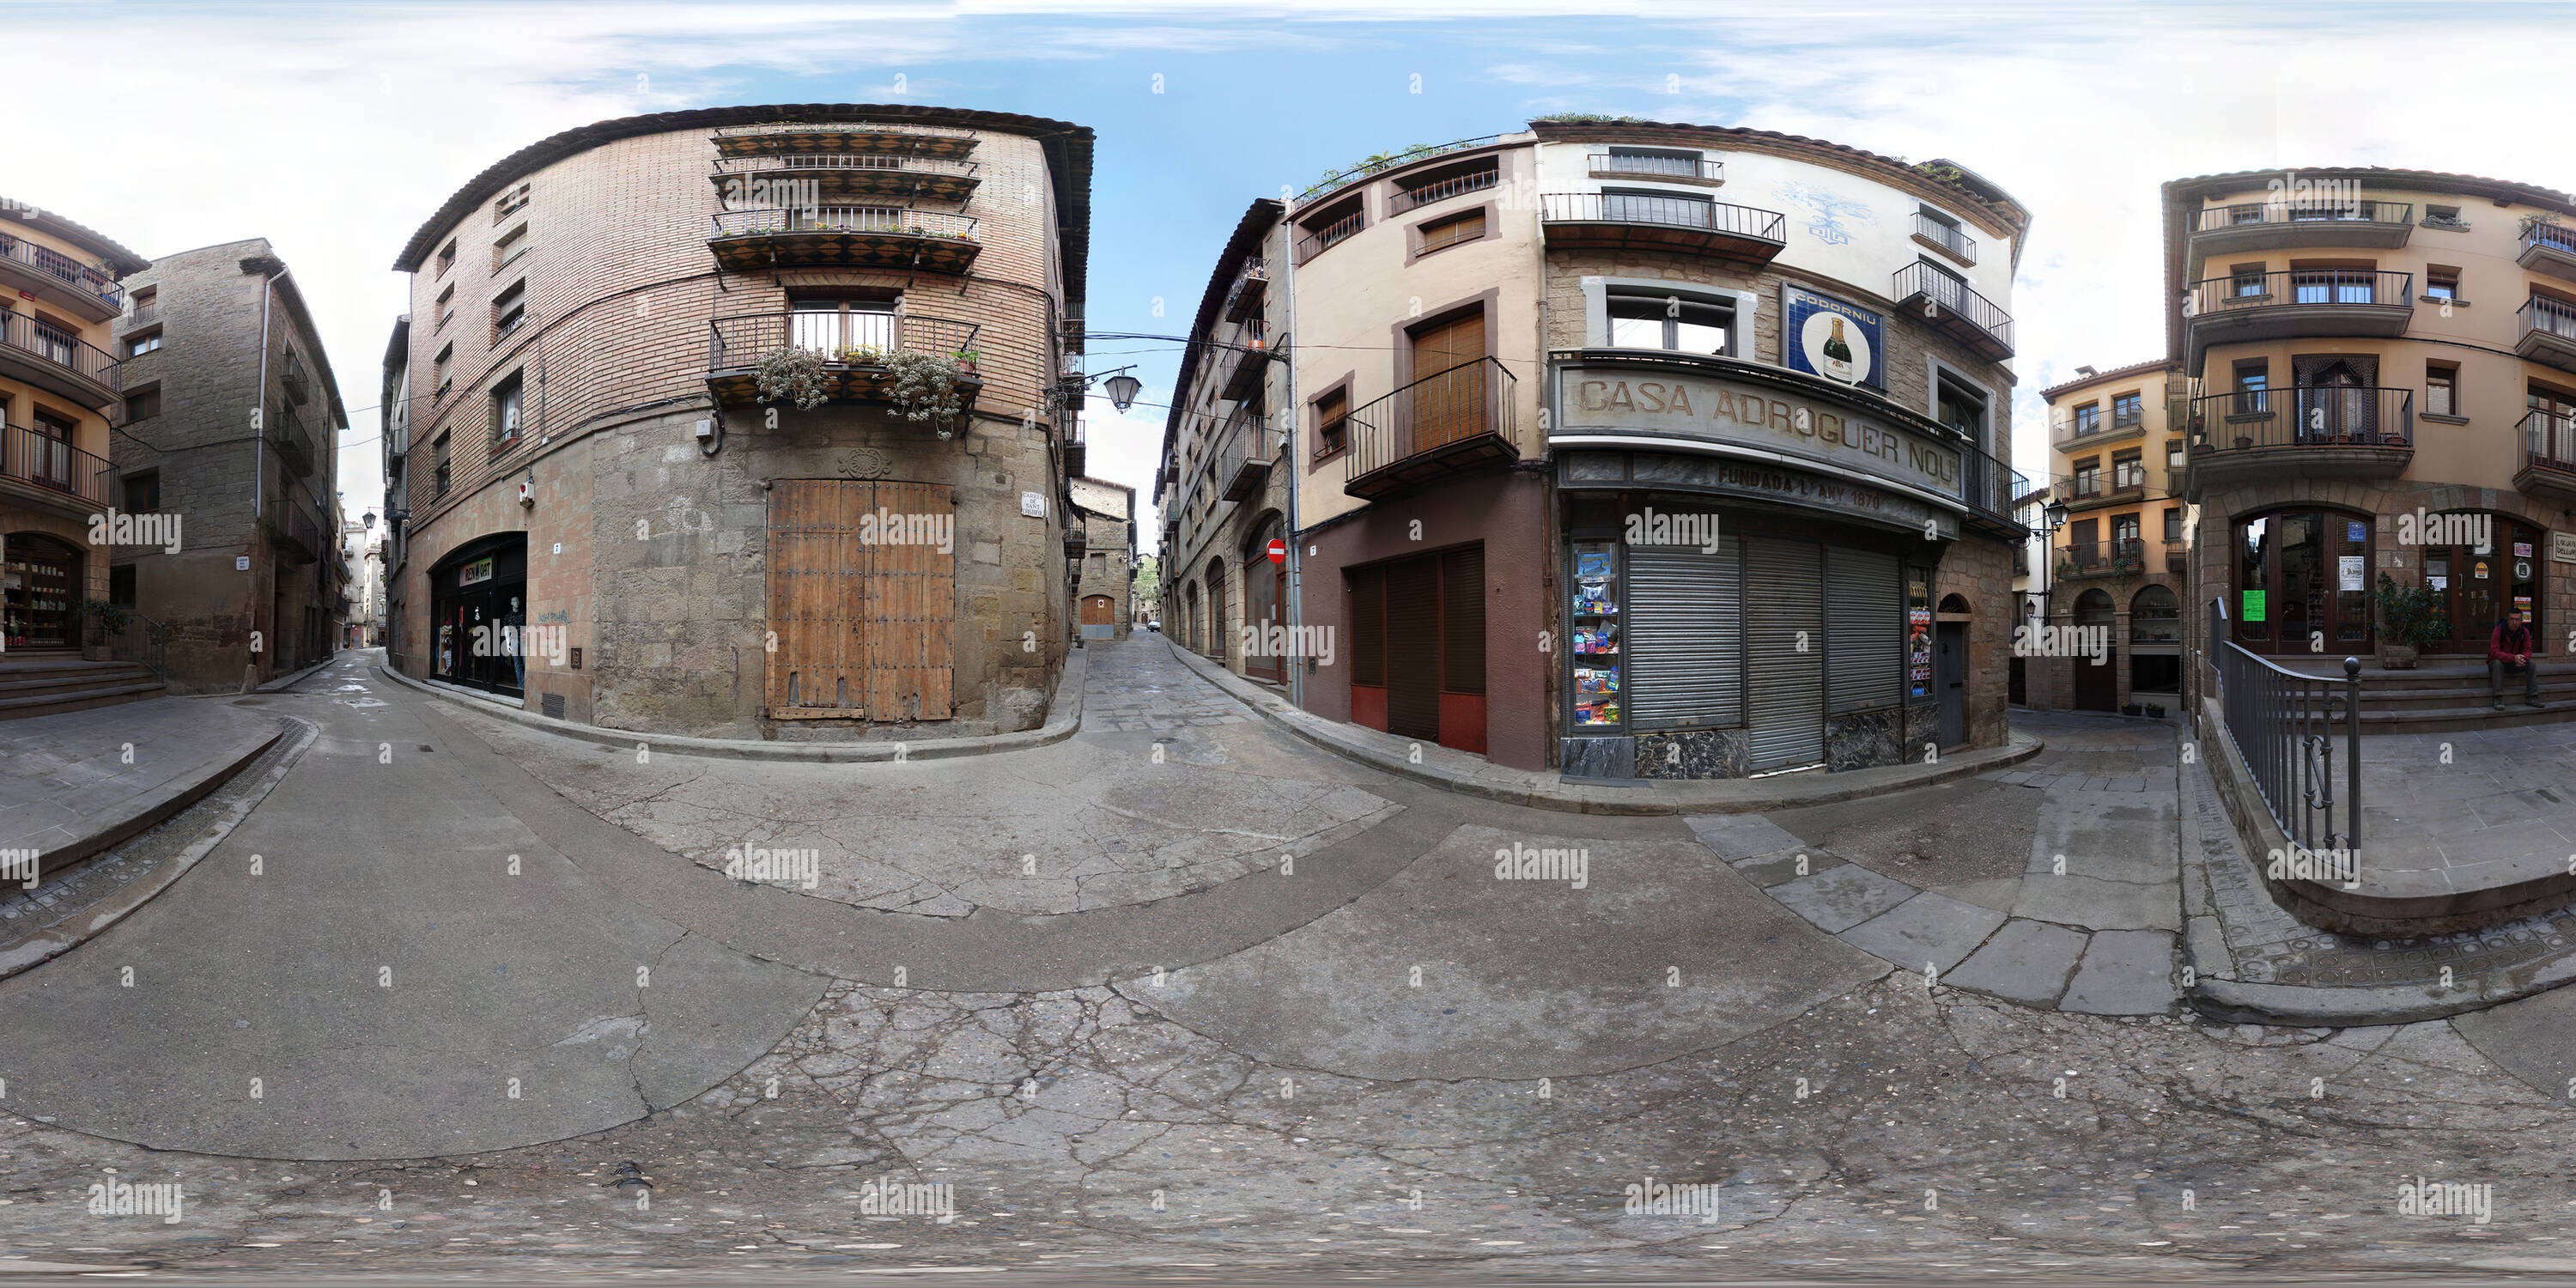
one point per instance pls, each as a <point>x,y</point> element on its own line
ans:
<point>1064,719</point>
<point>70,933</point>
<point>159,811</point>
<point>1651,797</point>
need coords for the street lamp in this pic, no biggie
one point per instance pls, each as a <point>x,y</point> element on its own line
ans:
<point>1123,390</point>
<point>2055,511</point>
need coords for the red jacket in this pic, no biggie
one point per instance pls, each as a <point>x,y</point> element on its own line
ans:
<point>2509,643</point>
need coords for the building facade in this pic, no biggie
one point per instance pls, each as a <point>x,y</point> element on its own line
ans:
<point>2119,566</point>
<point>1224,482</point>
<point>2381,384</point>
<point>1104,591</point>
<point>232,423</point>
<point>2030,587</point>
<point>748,422</point>
<point>62,385</point>
<point>1600,472</point>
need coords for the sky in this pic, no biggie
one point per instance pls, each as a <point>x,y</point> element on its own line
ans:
<point>335,130</point>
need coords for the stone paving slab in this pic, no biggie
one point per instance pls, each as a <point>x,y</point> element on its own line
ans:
<point>2026,961</point>
<point>2124,972</point>
<point>79,783</point>
<point>1740,836</point>
<point>1838,899</point>
<point>1928,929</point>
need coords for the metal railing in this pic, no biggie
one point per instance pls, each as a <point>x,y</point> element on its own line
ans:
<point>63,349</point>
<point>71,272</point>
<point>2311,416</point>
<point>1664,212</point>
<point>1445,407</point>
<point>2302,286</point>
<point>1990,487</point>
<point>2548,441</point>
<point>54,464</point>
<point>1394,160</point>
<point>1946,236</point>
<point>1919,279</point>
<point>844,127</point>
<point>2283,724</point>
<point>143,641</point>
<point>1650,166</point>
<point>2250,214</point>
<point>900,162</point>
<point>2540,313</point>
<point>1315,241</point>
<point>2558,236</point>
<point>1243,440</point>
<point>862,219</point>
<point>859,339</point>
<point>1443,189</point>
<point>2117,557</point>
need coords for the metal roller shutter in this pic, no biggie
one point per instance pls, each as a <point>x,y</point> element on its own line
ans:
<point>1865,625</point>
<point>1685,637</point>
<point>1785,581</point>
<point>1413,649</point>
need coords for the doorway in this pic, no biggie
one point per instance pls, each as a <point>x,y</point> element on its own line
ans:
<point>1950,669</point>
<point>2097,680</point>
<point>41,579</point>
<point>1099,622</point>
<point>2302,583</point>
<point>1418,647</point>
<point>2479,581</point>
<point>1265,641</point>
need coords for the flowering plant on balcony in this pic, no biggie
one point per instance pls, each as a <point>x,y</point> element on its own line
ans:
<point>925,388</point>
<point>794,374</point>
<point>861,354</point>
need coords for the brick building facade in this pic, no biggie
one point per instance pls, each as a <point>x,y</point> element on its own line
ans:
<point>589,322</point>
<point>1105,592</point>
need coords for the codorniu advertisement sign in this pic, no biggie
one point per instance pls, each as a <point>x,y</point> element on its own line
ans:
<point>1633,407</point>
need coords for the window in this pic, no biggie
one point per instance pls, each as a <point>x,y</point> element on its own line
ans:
<point>1444,233</point>
<point>2173,454</point>
<point>145,297</point>
<point>2441,389</point>
<point>1943,231</point>
<point>1639,206</point>
<point>2173,525</point>
<point>2124,530</point>
<point>2445,217</point>
<point>2088,477</point>
<point>120,585</point>
<point>137,346</point>
<point>2333,286</point>
<point>512,245</point>
<point>1664,161</point>
<point>440,368</point>
<point>509,309</point>
<point>1332,429</point>
<point>511,203</point>
<point>1680,323</point>
<point>143,405</point>
<point>1961,407</point>
<point>2253,381</point>
<point>143,492</point>
<point>505,409</point>
<point>1440,185</point>
<point>843,327</point>
<point>2128,470</point>
<point>446,310</point>
<point>2128,411</point>
<point>439,473</point>
<point>446,258</point>
<point>1330,226</point>
<point>2245,281</point>
<point>2088,420</point>
<point>2441,283</point>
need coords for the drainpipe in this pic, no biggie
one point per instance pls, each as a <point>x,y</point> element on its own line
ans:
<point>1290,458</point>
<point>259,469</point>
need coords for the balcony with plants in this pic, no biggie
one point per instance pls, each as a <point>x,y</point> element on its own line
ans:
<point>2339,431</point>
<point>926,368</point>
<point>895,175</point>
<point>782,137</point>
<point>850,236</point>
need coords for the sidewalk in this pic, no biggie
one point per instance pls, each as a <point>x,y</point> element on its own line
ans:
<point>1543,789</point>
<point>1064,719</point>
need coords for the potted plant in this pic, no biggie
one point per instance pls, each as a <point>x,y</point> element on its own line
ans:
<point>794,374</point>
<point>2410,618</point>
<point>2243,441</point>
<point>966,360</point>
<point>2155,711</point>
<point>925,389</point>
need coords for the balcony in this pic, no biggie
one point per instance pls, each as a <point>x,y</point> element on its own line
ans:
<point>2079,498</point>
<point>1244,367</point>
<point>1456,185</point>
<point>1243,454</point>
<point>844,136</point>
<point>58,279</point>
<point>1251,282</point>
<point>2118,557</point>
<point>59,362</point>
<point>2074,436</point>
<point>854,348</point>
<point>1950,306</point>
<point>1444,424</point>
<point>846,236</point>
<point>294,444</point>
<point>2270,434</point>
<point>290,374</point>
<point>2548,333</point>
<point>1945,238</point>
<point>144,315</point>
<point>2340,302</point>
<point>1660,169</point>
<point>1323,237</point>
<point>738,179</point>
<point>2551,249</point>
<point>2548,457</point>
<point>1077,449</point>
<point>1690,225</point>
<point>2269,225</point>
<point>56,470</point>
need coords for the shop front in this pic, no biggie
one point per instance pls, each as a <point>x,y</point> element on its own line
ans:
<point>479,612</point>
<point>39,591</point>
<point>2481,566</point>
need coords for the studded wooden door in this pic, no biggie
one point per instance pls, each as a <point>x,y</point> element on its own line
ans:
<point>862,600</point>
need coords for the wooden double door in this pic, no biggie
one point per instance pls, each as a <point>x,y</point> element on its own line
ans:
<point>862,600</point>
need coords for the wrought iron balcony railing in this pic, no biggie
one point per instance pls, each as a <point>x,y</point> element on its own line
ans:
<point>1443,189</point>
<point>1466,410</point>
<point>2252,214</point>
<point>2117,557</point>
<point>71,272</point>
<point>2320,416</point>
<point>1946,236</point>
<point>1955,306</point>
<point>55,465</point>
<point>1657,167</point>
<point>1666,212</point>
<point>854,348</point>
<point>2320,287</point>
<point>861,219</point>
<point>63,349</point>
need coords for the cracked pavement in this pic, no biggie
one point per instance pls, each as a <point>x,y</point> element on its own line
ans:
<point>1376,1057</point>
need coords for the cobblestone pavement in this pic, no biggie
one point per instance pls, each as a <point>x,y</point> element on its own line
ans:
<point>1135,684</point>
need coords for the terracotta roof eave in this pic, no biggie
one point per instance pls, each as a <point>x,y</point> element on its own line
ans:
<point>1258,219</point>
<point>118,258</point>
<point>1068,147</point>
<point>2116,373</point>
